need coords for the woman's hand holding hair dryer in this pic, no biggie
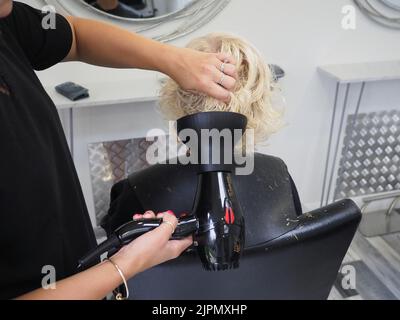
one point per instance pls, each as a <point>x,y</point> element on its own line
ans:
<point>153,248</point>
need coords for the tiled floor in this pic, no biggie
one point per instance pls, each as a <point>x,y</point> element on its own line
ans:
<point>377,265</point>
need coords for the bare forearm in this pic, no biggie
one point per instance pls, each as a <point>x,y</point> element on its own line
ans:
<point>93,284</point>
<point>213,74</point>
<point>109,46</point>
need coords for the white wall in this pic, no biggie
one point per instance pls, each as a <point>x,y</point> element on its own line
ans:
<point>297,35</point>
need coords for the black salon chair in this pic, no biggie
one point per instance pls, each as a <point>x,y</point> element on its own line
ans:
<point>288,255</point>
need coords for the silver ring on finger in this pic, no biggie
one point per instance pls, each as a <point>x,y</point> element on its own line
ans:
<point>223,67</point>
<point>171,225</point>
<point>222,79</point>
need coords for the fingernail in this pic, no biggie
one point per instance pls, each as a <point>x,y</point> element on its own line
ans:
<point>137,216</point>
<point>171,213</point>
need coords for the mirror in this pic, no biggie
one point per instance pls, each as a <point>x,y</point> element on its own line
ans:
<point>394,4</point>
<point>138,9</point>
<point>162,20</point>
<point>383,12</point>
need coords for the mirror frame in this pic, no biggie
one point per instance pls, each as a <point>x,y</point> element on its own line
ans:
<point>164,28</point>
<point>389,3</point>
<point>154,19</point>
<point>382,12</point>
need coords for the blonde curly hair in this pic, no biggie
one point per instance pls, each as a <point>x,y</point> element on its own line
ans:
<point>252,96</point>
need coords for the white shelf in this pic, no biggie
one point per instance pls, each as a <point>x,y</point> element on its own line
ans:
<point>110,93</point>
<point>363,72</point>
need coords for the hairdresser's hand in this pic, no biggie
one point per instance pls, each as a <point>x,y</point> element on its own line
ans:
<point>153,248</point>
<point>199,71</point>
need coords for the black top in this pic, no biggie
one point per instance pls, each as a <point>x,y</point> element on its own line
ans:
<point>43,216</point>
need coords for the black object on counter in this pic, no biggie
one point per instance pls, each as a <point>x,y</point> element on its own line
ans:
<point>72,91</point>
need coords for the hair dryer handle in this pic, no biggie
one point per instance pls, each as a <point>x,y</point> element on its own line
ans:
<point>134,229</point>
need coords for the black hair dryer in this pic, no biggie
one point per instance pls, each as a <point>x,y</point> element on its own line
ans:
<point>221,234</point>
<point>216,221</point>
